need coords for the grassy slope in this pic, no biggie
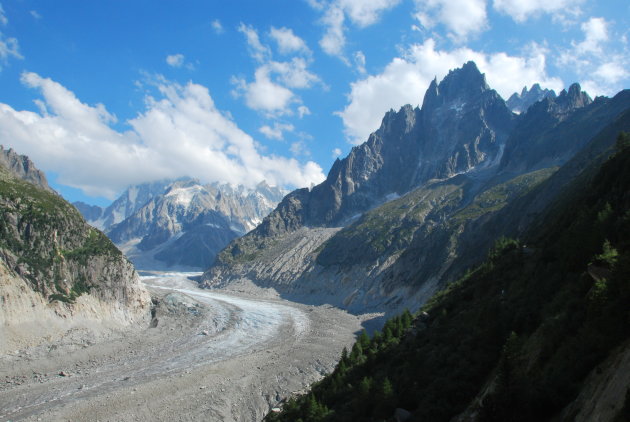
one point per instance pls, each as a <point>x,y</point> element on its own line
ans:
<point>527,325</point>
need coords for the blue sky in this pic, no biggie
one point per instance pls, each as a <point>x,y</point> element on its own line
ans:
<point>104,94</point>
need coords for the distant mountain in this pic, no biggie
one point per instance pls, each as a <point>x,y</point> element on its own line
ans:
<point>131,200</point>
<point>519,103</point>
<point>185,223</point>
<point>424,198</point>
<point>54,267</point>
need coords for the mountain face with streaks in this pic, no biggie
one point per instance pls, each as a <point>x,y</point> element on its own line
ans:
<point>131,200</point>
<point>54,267</point>
<point>423,198</point>
<point>187,223</point>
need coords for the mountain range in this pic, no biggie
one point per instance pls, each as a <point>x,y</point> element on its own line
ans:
<point>181,223</point>
<point>424,197</point>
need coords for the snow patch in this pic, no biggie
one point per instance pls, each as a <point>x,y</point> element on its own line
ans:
<point>184,196</point>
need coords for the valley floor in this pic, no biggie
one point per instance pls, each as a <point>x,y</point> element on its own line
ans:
<point>212,356</point>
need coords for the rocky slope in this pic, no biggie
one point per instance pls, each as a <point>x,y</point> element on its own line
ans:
<point>189,222</point>
<point>56,272</point>
<point>450,210</point>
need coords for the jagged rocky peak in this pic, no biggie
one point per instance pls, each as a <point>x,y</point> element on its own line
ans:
<point>574,98</point>
<point>22,167</point>
<point>519,103</point>
<point>562,105</point>
<point>463,123</point>
<point>460,85</point>
<point>403,120</point>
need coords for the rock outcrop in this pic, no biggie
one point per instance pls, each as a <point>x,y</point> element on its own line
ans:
<point>54,267</point>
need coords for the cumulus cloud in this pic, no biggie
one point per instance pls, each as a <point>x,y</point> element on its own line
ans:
<point>217,26</point>
<point>521,10</point>
<point>299,148</point>
<point>461,18</point>
<point>271,91</point>
<point>175,60</point>
<point>303,111</point>
<point>257,49</point>
<point>262,94</point>
<point>3,17</point>
<point>180,132</point>
<point>360,12</point>
<point>334,39</point>
<point>9,47</point>
<point>359,61</point>
<point>599,62</point>
<point>405,80</point>
<point>365,12</point>
<point>595,34</point>
<point>287,41</point>
<point>277,131</point>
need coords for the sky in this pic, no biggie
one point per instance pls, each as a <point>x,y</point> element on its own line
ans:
<point>105,94</point>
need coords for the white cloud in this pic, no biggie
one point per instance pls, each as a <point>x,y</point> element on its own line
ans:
<point>462,18</point>
<point>181,132</point>
<point>336,152</point>
<point>217,26</point>
<point>258,50</point>
<point>299,149</point>
<point>612,72</point>
<point>287,41</point>
<point>277,131</point>
<point>35,14</point>
<point>405,80</point>
<point>597,60</point>
<point>265,95</point>
<point>359,61</point>
<point>175,60</point>
<point>293,74</point>
<point>521,10</point>
<point>334,39</point>
<point>9,47</point>
<point>365,12</point>
<point>362,13</point>
<point>303,111</point>
<point>3,17</point>
<point>271,90</point>
<point>595,34</point>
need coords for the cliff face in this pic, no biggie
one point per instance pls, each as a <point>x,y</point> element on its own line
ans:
<point>54,265</point>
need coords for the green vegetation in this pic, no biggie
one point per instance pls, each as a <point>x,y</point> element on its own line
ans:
<point>96,243</point>
<point>498,196</point>
<point>391,227</point>
<point>48,238</point>
<point>531,322</point>
<point>358,387</point>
